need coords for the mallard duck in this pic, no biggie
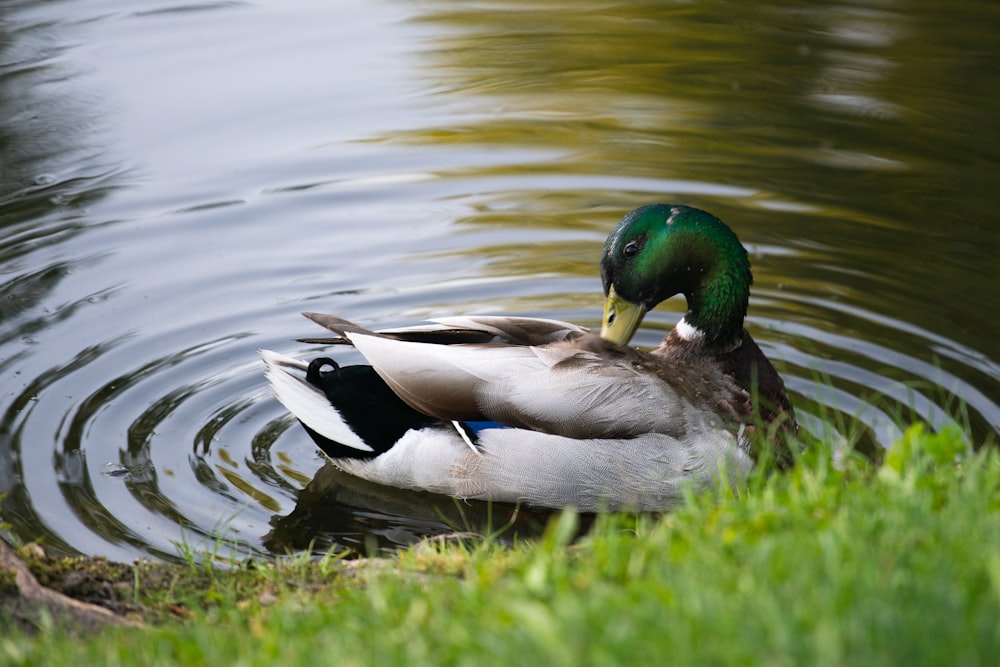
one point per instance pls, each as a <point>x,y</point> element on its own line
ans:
<point>549,413</point>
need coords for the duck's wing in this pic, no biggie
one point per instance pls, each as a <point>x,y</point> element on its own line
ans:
<point>564,388</point>
<point>456,330</point>
<point>516,330</point>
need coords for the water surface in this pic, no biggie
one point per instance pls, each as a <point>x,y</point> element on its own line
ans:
<point>179,181</point>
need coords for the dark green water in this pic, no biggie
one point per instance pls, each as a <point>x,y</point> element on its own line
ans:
<point>179,181</point>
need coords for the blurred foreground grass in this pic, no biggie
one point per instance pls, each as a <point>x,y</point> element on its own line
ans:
<point>836,562</point>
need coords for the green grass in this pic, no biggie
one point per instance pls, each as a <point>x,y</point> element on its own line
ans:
<point>828,564</point>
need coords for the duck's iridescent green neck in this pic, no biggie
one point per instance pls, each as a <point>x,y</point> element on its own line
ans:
<point>661,250</point>
<point>717,305</point>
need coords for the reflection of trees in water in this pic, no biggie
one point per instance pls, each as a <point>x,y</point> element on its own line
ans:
<point>50,164</point>
<point>49,161</point>
<point>35,128</point>
<point>796,99</point>
<point>678,86</point>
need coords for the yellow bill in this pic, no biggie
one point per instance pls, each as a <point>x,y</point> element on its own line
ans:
<point>621,318</point>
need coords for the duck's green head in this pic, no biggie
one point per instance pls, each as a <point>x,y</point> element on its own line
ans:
<point>661,250</point>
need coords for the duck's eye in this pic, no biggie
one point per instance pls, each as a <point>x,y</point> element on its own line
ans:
<point>630,249</point>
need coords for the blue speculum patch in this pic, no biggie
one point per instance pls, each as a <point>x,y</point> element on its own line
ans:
<point>477,427</point>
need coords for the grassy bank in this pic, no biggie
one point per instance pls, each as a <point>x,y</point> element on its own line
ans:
<point>829,564</point>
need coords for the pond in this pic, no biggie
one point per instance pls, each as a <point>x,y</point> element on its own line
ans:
<point>178,181</point>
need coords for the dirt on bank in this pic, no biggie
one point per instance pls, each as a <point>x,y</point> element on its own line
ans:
<point>75,594</point>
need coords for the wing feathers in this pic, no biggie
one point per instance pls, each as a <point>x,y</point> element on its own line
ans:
<point>547,376</point>
<point>517,330</point>
<point>557,389</point>
<point>463,329</point>
<point>428,333</point>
